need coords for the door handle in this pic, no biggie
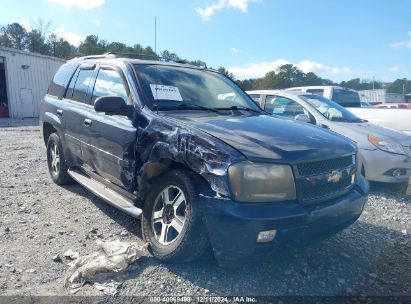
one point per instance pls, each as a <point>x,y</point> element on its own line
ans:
<point>87,122</point>
<point>59,112</point>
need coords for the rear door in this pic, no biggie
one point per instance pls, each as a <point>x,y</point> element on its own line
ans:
<point>110,139</point>
<point>76,105</point>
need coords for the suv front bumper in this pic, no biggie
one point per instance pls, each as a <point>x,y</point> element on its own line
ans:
<point>233,227</point>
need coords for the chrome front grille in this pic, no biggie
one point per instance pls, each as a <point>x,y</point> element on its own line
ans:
<point>322,180</point>
<point>325,166</point>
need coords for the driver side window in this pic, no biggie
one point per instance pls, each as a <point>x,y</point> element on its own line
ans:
<point>109,83</point>
<point>283,107</point>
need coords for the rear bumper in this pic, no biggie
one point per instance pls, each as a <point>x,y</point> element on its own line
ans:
<point>377,163</point>
<point>233,227</point>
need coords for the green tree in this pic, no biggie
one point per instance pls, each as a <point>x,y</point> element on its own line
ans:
<point>61,48</point>
<point>358,84</point>
<point>92,46</point>
<point>37,43</point>
<point>116,47</point>
<point>169,56</point>
<point>288,76</point>
<point>14,36</point>
<point>226,72</point>
<point>198,63</point>
<point>399,86</point>
<point>38,37</point>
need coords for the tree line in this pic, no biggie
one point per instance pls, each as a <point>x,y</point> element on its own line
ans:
<point>41,39</point>
<point>287,76</point>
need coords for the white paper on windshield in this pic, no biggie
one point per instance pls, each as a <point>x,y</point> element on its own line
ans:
<point>165,92</point>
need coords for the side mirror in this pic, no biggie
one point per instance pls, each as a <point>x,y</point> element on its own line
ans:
<point>111,105</point>
<point>303,118</point>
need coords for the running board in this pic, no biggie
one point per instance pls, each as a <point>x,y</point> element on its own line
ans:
<point>110,196</point>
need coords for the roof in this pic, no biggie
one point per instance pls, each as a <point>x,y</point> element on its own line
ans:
<point>27,53</point>
<point>320,87</point>
<point>286,92</point>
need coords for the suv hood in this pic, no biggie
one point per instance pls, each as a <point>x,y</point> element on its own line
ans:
<point>267,138</point>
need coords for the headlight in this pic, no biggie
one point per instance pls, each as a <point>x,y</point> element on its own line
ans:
<point>251,182</point>
<point>386,144</point>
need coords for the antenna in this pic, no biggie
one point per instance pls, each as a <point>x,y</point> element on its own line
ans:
<point>155,52</point>
<point>155,35</point>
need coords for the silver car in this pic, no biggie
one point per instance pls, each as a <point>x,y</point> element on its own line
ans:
<point>384,154</point>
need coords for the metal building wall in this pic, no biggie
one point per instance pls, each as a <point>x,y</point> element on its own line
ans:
<point>373,96</point>
<point>28,76</point>
<point>380,96</point>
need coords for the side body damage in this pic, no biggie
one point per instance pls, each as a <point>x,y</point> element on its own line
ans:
<point>162,143</point>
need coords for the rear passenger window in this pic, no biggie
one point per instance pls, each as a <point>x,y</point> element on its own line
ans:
<point>81,86</point>
<point>60,80</point>
<point>109,83</point>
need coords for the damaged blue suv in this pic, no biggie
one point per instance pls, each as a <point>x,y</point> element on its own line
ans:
<point>187,151</point>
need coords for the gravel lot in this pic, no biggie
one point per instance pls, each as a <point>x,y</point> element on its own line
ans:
<point>39,220</point>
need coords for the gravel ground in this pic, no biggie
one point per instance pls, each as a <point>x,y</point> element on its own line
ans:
<point>39,220</point>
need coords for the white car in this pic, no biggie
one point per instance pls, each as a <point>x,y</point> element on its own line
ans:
<point>343,96</point>
<point>384,154</point>
<point>393,119</point>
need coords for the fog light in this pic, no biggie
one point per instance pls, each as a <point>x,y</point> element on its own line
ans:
<point>397,173</point>
<point>266,236</point>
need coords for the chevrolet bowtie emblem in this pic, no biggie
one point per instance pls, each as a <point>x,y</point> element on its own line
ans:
<point>334,177</point>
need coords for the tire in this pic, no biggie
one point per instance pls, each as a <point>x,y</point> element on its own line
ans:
<point>174,246</point>
<point>57,166</point>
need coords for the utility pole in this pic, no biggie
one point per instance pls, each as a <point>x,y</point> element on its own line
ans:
<point>155,35</point>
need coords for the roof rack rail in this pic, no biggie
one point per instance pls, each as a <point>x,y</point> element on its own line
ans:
<point>152,57</point>
<point>105,55</point>
<point>135,56</point>
<point>91,57</point>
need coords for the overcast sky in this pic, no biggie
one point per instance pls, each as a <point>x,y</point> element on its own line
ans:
<point>339,40</point>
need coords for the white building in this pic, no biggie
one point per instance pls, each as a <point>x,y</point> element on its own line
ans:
<point>24,79</point>
<point>380,96</point>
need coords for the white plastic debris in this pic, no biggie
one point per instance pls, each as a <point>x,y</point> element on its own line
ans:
<point>105,269</point>
<point>71,254</point>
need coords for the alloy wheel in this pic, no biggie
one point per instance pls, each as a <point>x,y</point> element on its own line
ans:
<point>169,215</point>
<point>55,158</point>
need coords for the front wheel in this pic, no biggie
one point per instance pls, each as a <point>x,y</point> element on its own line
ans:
<point>172,222</point>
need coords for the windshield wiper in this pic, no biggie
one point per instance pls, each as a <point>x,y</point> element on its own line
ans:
<point>359,120</point>
<point>190,106</point>
<point>241,108</point>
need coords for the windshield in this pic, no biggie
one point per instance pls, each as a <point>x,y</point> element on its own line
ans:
<point>346,98</point>
<point>330,109</point>
<point>170,87</point>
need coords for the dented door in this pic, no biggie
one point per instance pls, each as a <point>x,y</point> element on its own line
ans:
<point>109,149</point>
